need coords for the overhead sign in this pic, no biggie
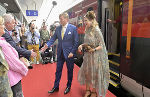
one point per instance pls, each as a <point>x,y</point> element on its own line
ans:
<point>31,12</point>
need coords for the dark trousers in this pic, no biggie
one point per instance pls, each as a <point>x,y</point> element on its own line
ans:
<point>17,90</point>
<point>70,66</point>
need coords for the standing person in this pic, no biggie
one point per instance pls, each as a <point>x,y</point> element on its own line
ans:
<point>52,31</point>
<point>9,23</point>
<point>5,89</point>
<point>67,45</point>
<point>17,69</point>
<point>16,36</point>
<point>44,35</point>
<point>33,41</point>
<point>23,41</point>
<point>94,72</point>
<point>119,29</point>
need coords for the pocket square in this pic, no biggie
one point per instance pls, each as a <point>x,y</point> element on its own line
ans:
<point>69,32</point>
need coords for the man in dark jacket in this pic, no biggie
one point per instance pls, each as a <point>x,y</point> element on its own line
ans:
<point>9,23</point>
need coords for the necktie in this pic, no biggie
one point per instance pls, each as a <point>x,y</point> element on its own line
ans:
<point>62,32</point>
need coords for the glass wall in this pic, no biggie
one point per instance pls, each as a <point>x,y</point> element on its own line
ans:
<point>2,10</point>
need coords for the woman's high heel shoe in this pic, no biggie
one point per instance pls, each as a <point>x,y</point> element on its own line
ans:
<point>93,94</point>
<point>88,93</point>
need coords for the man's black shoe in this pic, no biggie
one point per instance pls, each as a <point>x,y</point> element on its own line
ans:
<point>67,90</point>
<point>54,90</point>
<point>51,62</point>
<point>30,67</point>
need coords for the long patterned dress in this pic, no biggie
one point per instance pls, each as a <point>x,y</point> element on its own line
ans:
<point>95,68</point>
<point>5,89</point>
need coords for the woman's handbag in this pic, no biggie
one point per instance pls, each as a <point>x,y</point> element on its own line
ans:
<point>78,59</point>
<point>87,47</point>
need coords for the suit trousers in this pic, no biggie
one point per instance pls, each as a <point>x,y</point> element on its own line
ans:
<point>70,66</point>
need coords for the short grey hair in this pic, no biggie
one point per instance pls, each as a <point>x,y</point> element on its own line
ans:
<point>8,18</point>
<point>65,15</point>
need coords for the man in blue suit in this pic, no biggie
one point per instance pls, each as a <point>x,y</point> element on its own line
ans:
<point>67,45</point>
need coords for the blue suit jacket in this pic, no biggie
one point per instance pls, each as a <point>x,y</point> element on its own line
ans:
<point>69,42</point>
<point>21,51</point>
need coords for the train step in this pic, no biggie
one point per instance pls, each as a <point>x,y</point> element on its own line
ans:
<point>114,57</point>
<point>115,84</point>
<point>114,65</point>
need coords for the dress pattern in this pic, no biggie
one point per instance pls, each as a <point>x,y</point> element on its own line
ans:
<point>5,89</point>
<point>95,67</point>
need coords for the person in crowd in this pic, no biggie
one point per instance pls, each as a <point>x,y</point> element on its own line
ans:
<point>33,41</point>
<point>17,33</point>
<point>94,72</point>
<point>44,34</point>
<point>16,37</point>
<point>5,89</point>
<point>23,42</point>
<point>67,46</point>
<point>9,23</point>
<point>54,47</point>
<point>118,21</point>
<point>17,69</point>
<point>52,31</point>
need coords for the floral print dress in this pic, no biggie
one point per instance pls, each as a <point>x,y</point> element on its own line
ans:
<point>5,89</point>
<point>95,67</point>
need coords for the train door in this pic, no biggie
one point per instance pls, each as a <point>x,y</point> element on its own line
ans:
<point>118,21</point>
<point>106,29</point>
<point>111,10</point>
<point>107,11</point>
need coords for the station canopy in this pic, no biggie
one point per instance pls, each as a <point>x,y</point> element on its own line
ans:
<point>42,6</point>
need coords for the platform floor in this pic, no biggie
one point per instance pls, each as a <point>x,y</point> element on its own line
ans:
<point>40,79</point>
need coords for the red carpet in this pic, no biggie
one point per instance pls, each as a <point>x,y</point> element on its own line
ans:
<point>40,79</point>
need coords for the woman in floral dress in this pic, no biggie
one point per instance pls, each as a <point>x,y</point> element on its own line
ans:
<point>5,89</point>
<point>94,72</point>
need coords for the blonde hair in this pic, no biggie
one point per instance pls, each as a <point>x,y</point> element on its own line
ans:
<point>65,15</point>
<point>90,15</point>
<point>1,20</point>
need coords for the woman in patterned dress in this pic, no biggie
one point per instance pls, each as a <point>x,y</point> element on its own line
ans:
<point>5,89</point>
<point>94,72</point>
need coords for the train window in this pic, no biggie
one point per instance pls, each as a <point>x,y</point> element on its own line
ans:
<point>90,9</point>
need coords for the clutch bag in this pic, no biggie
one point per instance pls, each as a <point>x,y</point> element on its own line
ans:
<point>87,47</point>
